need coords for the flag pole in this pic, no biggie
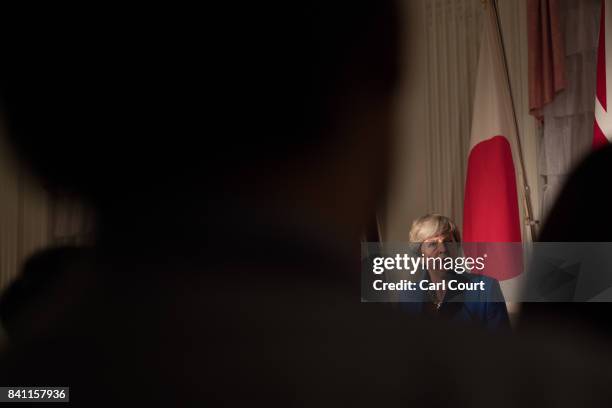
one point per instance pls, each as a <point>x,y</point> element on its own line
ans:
<point>528,207</point>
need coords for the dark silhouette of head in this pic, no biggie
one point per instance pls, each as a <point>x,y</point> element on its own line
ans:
<point>580,214</point>
<point>25,306</point>
<point>584,194</point>
<point>122,111</point>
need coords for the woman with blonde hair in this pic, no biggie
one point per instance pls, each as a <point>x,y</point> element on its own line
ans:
<point>445,290</point>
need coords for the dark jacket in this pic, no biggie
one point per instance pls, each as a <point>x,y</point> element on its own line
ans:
<point>485,308</point>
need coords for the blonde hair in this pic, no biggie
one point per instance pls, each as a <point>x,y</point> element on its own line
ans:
<point>432,225</point>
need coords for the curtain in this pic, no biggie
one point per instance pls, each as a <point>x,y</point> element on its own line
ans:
<point>546,54</point>
<point>568,120</point>
<point>31,218</point>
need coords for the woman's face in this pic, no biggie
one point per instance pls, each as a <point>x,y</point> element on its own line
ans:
<point>436,247</point>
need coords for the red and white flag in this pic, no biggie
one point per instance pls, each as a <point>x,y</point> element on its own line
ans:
<point>602,128</point>
<point>491,205</point>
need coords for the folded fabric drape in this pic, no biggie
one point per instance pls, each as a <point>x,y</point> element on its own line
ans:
<point>546,54</point>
